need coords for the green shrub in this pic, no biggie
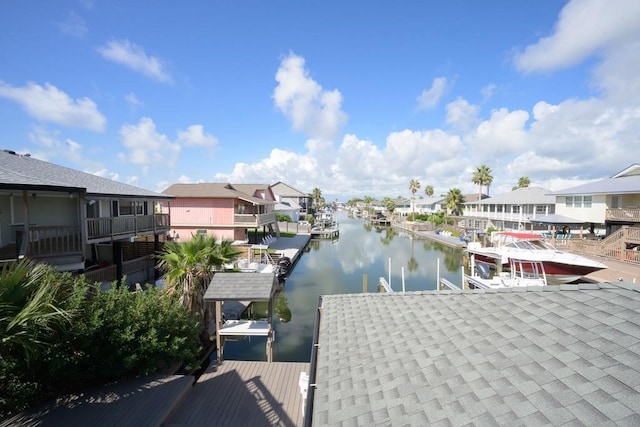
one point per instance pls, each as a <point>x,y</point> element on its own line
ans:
<point>283,218</point>
<point>81,336</point>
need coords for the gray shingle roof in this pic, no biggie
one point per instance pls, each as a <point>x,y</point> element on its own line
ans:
<point>240,287</point>
<point>21,170</point>
<point>556,355</point>
<point>285,190</point>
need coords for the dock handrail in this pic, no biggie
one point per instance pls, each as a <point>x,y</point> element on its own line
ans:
<point>383,285</point>
<point>445,284</point>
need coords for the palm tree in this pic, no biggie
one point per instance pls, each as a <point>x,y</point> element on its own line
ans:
<point>414,186</point>
<point>389,204</point>
<point>482,177</point>
<point>428,190</point>
<point>30,309</point>
<point>454,200</point>
<point>367,203</point>
<point>523,182</point>
<point>316,196</point>
<point>188,269</point>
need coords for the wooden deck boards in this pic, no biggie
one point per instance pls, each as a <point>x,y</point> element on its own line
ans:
<point>244,393</point>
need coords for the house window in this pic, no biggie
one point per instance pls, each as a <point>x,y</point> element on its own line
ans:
<point>568,201</point>
<point>577,202</point>
<point>241,209</point>
<point>126,207</point>
<point>201,231</point>
<point>587,201</point>
<point>541,209</point>
<point>515,209</point>
<point>499,208</point>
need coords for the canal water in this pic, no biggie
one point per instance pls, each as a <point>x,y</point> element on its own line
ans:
<point>337,267</point>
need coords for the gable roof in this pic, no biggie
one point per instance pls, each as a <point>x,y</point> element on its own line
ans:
<point>521,196</point>
<point>285,190</point>
<point>556,355</point>
<point>626,181</point>
<point>216,190</point>
<point>27,172</point>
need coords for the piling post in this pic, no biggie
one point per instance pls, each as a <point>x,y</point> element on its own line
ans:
<point>365,284</point>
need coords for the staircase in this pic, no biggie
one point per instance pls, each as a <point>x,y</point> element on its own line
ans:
<point>614,246</point>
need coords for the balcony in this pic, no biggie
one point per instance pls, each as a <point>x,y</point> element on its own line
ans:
<point>110,227</point>
<point>253,220</point>
<point>631,214</point>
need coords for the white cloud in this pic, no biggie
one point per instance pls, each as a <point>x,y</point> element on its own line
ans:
<point>48,103</point>
<point>311,109</point>
<point>583,27</point>
<point>195,136</point>
<point>461,114</point>
<point>488,91</point>
<point>73,25</point>
<point>503,134</point>
<point>429,98</point>
<point>146,147</point>
<point>133,100</point>
<point>130,55</point>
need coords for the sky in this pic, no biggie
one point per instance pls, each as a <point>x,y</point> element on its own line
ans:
<point>356,98</point>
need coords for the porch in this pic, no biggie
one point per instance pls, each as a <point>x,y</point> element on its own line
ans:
<point>109,228</point>
<point>630,214</point>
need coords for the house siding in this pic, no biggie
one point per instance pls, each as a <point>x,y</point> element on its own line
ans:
<point>194,212</point>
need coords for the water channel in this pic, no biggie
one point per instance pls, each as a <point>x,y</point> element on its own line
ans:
<point>333,267</point>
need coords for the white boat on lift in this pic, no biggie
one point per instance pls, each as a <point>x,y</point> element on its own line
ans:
<point>521,273</point>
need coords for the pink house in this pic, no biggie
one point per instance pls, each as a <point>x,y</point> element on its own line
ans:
<point>225,211</point>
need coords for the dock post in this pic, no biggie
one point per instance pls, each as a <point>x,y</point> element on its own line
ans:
<point>364,283</point>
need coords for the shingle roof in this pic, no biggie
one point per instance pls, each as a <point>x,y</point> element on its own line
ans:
<point>216,190</point>
<point>285,190</point>
<point>565,355</point>
<point>240,287</point>
<point>22,170</point>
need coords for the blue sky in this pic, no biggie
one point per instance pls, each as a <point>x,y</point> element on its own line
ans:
<point>353,97</point>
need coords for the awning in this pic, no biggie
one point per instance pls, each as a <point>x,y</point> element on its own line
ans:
<point>556,219</point>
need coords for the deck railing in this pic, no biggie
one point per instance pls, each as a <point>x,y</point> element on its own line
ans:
<point>623,214</point>
<point>108,273</point>
<point>123,225</point>
<point>43,241</point>
<point>254,220</point>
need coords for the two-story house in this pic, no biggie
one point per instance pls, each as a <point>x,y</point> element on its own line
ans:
<point>612,203</point>
<point>223,210</point>
<point>290,201</point>
<point>76,221</point>
<point>519,209</point>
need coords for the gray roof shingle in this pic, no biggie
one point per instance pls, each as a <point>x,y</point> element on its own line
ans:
<point>23,170</point>
<point>558,355</point>
<point>240,287</point>
<point>218,190</point>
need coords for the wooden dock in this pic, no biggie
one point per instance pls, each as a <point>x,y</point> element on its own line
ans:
<point>239,393</point>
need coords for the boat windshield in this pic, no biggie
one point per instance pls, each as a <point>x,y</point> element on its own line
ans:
<point>536,245</point>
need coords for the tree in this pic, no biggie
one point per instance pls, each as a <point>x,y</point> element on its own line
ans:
<point>188,269</point>
<point>389,204</point>
<point>316,196</point>
<point>428,190</point>
<point>367,203</point>
<point>414,186</point>
<point>454,200</point>
<point>523,182</point>
<point>482,177</point>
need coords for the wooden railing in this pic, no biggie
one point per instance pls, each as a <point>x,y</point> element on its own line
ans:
<point>254,220</point>
<point>623,214</point>
<point>49,241</point>
<point>613,247</point>
<point>108,273</point>
<point>123,225</point>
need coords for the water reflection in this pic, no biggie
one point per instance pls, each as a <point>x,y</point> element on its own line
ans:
<point>330,267</point>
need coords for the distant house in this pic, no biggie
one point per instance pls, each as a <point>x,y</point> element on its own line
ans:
<point>291,202</point>
<point>612,202</point>
<point>566,355</point>
<point>429,205</point>
<point>77,221</point>
<point>223,210</point>
<point>516,210</point>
